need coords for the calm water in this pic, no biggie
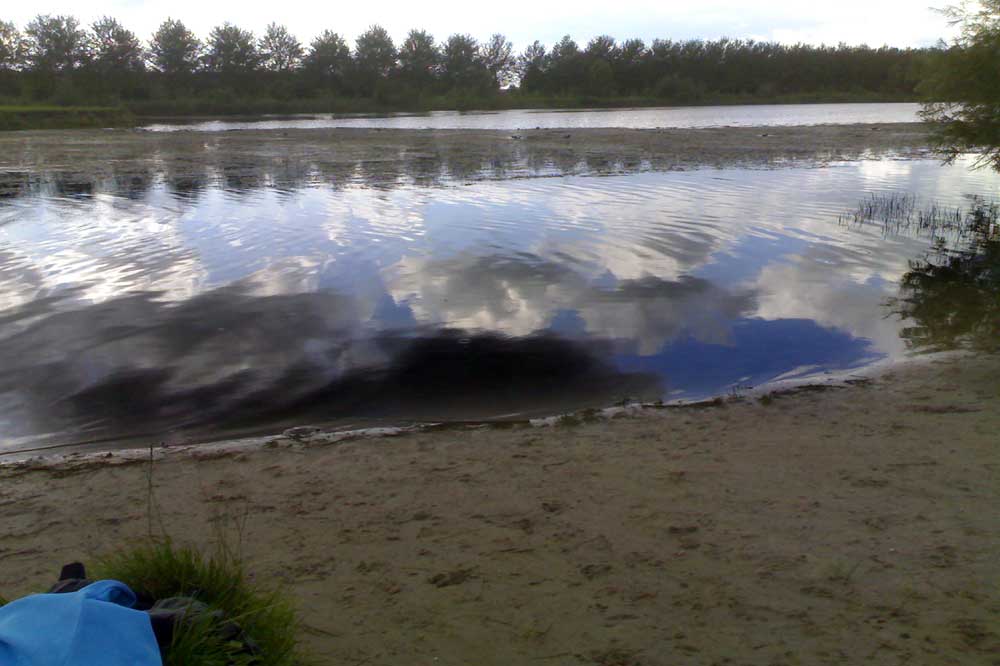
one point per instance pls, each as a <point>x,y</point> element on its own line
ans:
<point>176,304</point>
<point>703,116</point>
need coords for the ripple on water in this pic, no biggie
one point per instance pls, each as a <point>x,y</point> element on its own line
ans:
<point>130,305</point>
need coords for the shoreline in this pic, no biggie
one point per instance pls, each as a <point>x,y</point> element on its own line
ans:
<point>19,117</point>
<point>87,453</point>
<point>767,529</point>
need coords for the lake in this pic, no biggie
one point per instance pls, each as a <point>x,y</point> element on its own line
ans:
<point>190,288</point>
<point>762,115</point>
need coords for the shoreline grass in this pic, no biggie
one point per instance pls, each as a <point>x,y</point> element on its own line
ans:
<point>34,117</point>
<point>161,570</point>
<point>230,107</point>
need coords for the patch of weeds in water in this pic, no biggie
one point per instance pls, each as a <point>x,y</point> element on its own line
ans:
<point>952,297</point>
<point>895,213</point>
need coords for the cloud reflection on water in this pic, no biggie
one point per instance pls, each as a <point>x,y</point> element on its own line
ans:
<point>155,301</point>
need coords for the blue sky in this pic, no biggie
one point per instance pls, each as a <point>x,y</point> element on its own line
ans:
<point>876,22</point>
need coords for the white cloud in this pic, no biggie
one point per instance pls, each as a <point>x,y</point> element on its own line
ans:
<point>897,22</point>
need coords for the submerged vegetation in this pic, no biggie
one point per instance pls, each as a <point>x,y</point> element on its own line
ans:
<point>951,298</point>
<point>56,60</point>
<point>896,212</point>
<point>954,300</point>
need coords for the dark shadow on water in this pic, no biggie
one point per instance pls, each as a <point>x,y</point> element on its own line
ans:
<point>226,359</point>
<point>453,375</point>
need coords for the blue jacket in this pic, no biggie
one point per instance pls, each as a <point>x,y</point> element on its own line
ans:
<point>95,626</point>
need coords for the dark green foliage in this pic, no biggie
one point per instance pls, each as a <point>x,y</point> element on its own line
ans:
<point>55,117</point>
<point>374,58</point>
<point>114,49</point>
<point>56,44</point>
<point>497,56</point>
<point>419,60</point>
<point>462,69</point>
<point>279,50</point>
<point>174,50</point>
<point>13,48</point>
<point>328,63</point>
<point>963,85</point>
<point>231,50</point>
<point>162,570</point>
<point>56,61</point>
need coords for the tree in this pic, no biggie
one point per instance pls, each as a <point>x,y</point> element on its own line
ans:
<point>55,43</point>
<point>279,50</point>
<point>13,49</point>
<point>462,67</point>
<point>531,66</point>
<point>628,66</point>
<point>963,85</point>
<point>566,66</point>
<point>374,57</point>
<point>419,58</point>
<point>230,50</point>
<point>329,59</point>
<point>498,57</point>
<point>603,47</point>
<point>600,78</point>
<point>114,49</point>
<point>174,50</point>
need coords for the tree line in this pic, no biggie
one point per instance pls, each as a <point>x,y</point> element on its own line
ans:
<point>56,59</point>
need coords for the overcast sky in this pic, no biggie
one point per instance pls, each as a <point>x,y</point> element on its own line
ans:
<point>876,22</point>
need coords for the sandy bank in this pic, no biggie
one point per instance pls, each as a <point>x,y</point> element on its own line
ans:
<point>849,525</point>
<point>387,158</point>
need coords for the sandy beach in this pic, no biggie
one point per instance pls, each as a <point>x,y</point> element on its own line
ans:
<point>838,524</point>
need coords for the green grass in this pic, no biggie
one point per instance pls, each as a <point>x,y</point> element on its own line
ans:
<point>232,105</point>
<point>34,116</point>
<point>30,115</point>
<point>161,570</point>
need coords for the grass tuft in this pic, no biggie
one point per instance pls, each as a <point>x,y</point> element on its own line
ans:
<point>161,570</point>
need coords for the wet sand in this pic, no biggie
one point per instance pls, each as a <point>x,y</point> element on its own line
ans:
<point>123,159</point>
<point>833,525</point>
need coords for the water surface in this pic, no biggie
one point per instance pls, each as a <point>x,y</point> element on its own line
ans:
<point>227,298</point>
<point>763,115</point>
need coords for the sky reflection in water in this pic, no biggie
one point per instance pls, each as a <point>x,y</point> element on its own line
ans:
<point>143,307</point>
